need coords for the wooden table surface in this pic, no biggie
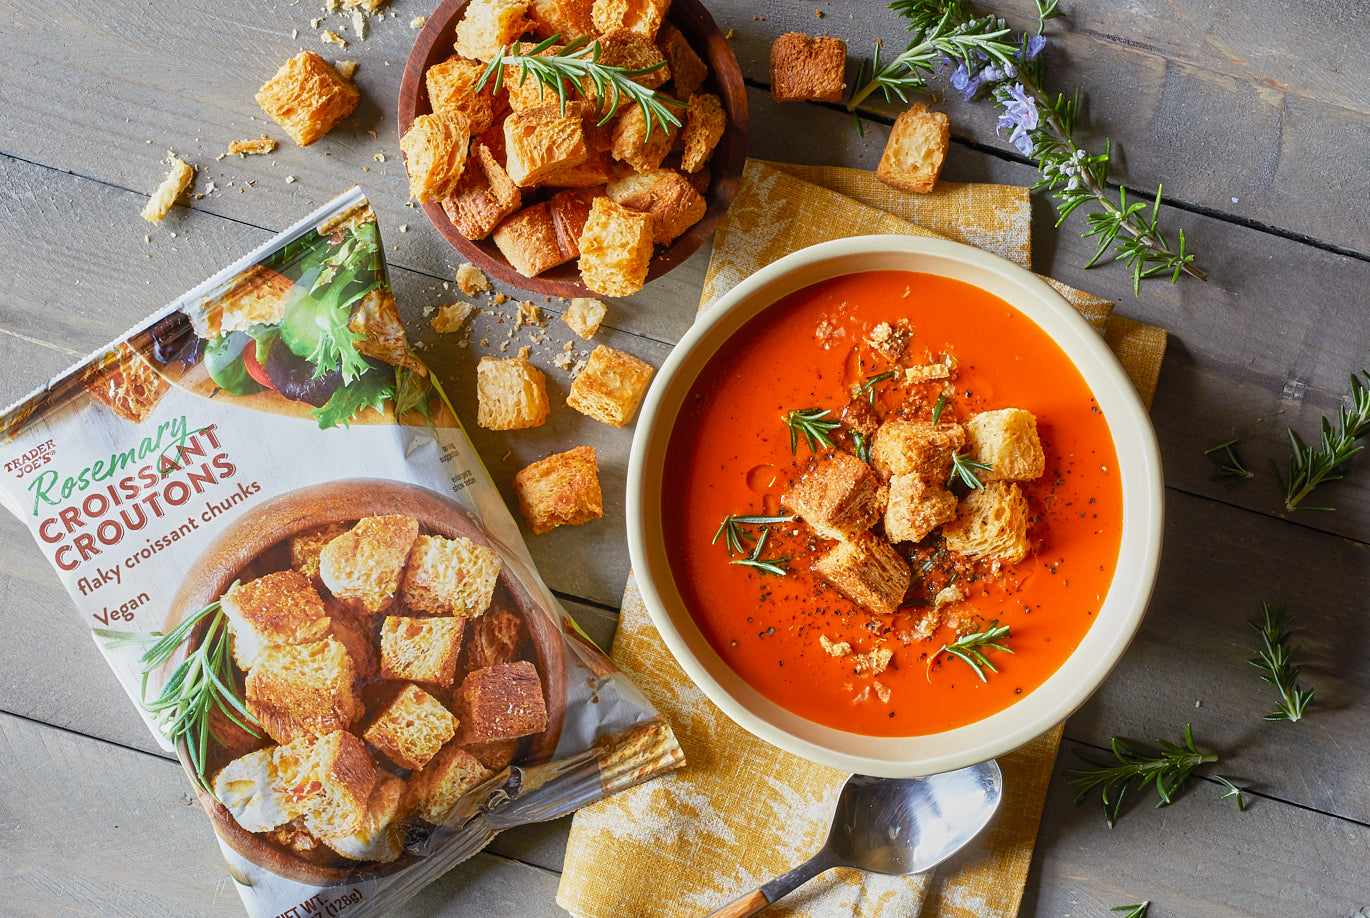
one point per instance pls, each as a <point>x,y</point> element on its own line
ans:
<point>1254,114</point>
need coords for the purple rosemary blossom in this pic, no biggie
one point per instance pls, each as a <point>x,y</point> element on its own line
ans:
<point>1020,114</point>
<point>965,82</point>
<point>1034,46</point>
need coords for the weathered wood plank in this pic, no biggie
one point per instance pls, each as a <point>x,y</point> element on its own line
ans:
<point>1236,110</point>
<point>1199,856</point>
<point>75,808</point>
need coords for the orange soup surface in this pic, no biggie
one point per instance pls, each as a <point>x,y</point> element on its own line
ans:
<point>731,454</point>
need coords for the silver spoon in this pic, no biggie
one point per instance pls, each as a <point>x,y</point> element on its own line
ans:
<point>895,826</point>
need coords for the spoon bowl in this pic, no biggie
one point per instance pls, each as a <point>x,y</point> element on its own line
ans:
<point>894,826</point>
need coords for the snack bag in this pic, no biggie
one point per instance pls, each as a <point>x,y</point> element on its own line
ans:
<point>288,551</point>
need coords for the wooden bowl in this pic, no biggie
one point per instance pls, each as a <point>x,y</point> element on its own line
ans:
<point>243,543</point>
<point>434,45</point>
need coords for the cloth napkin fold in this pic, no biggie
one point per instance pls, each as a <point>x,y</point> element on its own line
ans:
<point>741,811</point>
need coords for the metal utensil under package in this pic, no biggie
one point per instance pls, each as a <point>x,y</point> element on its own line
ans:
<point>895,826</point>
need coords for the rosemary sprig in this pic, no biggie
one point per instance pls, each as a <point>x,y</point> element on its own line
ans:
<point>1312,466</point>
<point>862,444</point>
<point>939,407</point>
<point>868,389</point>
<point>765,565</point>
<point>1167,770</point>
<point>964,467</point>
<point>1133,911</point>
<point>202,683</point>
<point>577,60</point>
<point>735,537</point>
<point>984,53</point>
<point>1232,791</point>
<point>812,424</point>
<point>973,647</point>
<point>1276,663</point>
<point>1231,469</point>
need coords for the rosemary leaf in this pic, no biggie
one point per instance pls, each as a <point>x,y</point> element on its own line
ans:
<point>1167,770</point>
<point>1232,791</point>
<point>735,537</point>
<point>1231,469</point>
<point>964,467</point>
<point>1311,466</point>
<point>1276,663</point>
<point>579,59</point>
<point>812,423</point>
<point>939,408</point>
<point>754,560</point>
<point>1133,911</point>
<point>972,649</point>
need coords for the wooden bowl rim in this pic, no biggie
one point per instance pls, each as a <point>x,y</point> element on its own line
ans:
<point>304,508</point>
<point>725,79</point>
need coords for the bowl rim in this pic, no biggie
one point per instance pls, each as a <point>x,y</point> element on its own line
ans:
<point>725,79</point>
<point>1140,477</point>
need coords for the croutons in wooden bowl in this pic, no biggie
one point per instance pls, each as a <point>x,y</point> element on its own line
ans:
<point>521,218</point>
<point>393,661</point>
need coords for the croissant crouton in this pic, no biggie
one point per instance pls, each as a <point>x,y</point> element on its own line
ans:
<point>500,702</point>
<point>633,51</point>
<point>280,608</point>
<point>1006,441</point>
<point>990,523</point>
<point>838,496</point>
<point>412,728</point>
<point>307,97</point>
<point>561,490</point>
<point>704,126</point>
<point>495,638</point>
<point>804,68</point>
<point>331,778</point>
<point>595,169</point>
<point>570,210</point>
<point>918,448</point>
<point>365,562</point>
<point>447,776</point>
<point>687,69</point>
<point>421,649</point>
<point>868,571</point>
<point>584,316</point>
<point>435,149</point>
<point>251,790</point>
<point>484,196</point>
<point>452,88</point>
<point>511,394</point>
<point>634,146</point>
<point>176,181</point>
<point>915,150</point>
<point>304,547</point>
<point>917,507</point>
<point>611,386</point>
<point>667,195</point>
<point>529,240</point>
<point>539,141</point>
<point>126,383</point>
<point>380,837</point>
<point>353,627</point>
<point>615,249</point>
<point>300,690</point>
<point>488,25</point>
<point>641,17</point>
<point>450,576</point>
<point>471,280</point>
<point>377,319</point>
<point>568,18</point>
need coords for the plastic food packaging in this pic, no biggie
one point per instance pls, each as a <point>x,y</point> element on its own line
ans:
<point>290,554</point>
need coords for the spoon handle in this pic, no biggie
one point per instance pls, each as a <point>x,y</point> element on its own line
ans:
<point>758,899</point>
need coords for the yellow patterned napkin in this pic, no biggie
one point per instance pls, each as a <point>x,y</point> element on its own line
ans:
<point>741,811</point>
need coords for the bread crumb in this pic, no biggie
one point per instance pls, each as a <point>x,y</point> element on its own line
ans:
<point>176,181</point>
<point>329,37</point>
<point>290,179</point>
<point>882,691</point>
<point>263,144</point>
<point>452,317</point>
<point>564,360</point>
<point>525,351</point>
<point>875,662</point>
<point>314,23</point>
<point>584,316</point>
<point>379,157</point>
<point>418,22</point>
<point>529,314</point>
<point>359,24</point>
<point>500,299</point>
<point>471,279</point>
<point>835,649</point>
<point>948,595</point>
<point>346,69</point>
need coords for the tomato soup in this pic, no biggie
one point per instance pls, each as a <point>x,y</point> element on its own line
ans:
<point>781,626</point>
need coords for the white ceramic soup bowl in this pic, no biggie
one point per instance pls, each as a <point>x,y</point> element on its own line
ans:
<point>1139,553</point>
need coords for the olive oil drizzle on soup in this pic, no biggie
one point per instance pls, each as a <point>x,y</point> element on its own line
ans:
<point>730,453</point>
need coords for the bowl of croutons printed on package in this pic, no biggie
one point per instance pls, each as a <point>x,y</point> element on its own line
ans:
<point>573,147</point>
<point>392,662</point>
